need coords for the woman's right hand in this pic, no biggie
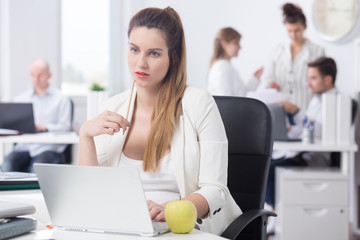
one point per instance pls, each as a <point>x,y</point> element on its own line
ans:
<point>274,85</point>
<point>106,122</point>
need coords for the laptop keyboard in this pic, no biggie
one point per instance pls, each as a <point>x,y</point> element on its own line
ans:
<point>158,226</point>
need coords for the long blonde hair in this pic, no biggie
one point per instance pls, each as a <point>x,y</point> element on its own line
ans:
<point>225,34</point>
<point>167,107</point>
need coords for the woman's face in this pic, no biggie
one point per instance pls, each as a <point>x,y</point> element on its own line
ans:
<point>295,31</point>
<point>148,58</point>
<point>231,48</point>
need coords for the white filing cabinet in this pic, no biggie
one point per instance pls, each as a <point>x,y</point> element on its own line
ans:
<point>312,204</point>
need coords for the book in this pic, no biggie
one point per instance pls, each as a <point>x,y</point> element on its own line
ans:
<point>11,227</point>
<point>18,181</point>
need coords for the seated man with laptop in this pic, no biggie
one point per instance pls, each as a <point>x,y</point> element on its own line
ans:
<point>52,112</point>
<point>321,79</point>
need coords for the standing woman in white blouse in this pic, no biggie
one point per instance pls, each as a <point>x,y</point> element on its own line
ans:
<point>288,66</point>
<point>223,79</point>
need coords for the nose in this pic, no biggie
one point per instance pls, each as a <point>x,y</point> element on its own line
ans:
<point>142,61</point>
<point>309,83</point>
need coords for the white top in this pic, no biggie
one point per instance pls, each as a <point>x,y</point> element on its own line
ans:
<point>290,75</point>
<point>160,186</point>
<point>313,113</point>
<point>199,152</point>
<point>53,110</point>
<point>224,80</point>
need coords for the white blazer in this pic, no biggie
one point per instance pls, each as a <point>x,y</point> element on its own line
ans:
<point>224,80</point>
<point>199,150</point>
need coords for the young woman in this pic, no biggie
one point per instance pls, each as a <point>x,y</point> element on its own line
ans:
<point>223,79</point>
<point>171,132</point>
<point>287,70</point>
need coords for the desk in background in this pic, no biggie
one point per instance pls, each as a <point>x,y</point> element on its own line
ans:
<point>36,198</point>
<point>345,173</point>
<point>47,137</point>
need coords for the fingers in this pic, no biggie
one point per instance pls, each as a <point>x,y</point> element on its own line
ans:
<point>116,119</point>
<point>156,211</point>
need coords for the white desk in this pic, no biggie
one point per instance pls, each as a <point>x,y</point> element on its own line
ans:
<point>47,137</point>
<point>35,198</point>
<point>346,151</point>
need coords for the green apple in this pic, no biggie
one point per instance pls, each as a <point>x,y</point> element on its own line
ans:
<point>181,216</point>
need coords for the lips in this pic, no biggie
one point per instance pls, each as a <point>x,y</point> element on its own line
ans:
<point>142,74</point>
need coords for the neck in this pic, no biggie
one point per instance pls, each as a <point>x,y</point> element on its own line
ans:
<point>146,98</point>
<point>298,44</point>
<point>40,91</point>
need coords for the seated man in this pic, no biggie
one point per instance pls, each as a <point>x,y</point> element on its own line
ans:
<point>321,79</point>
<point>52,112</point>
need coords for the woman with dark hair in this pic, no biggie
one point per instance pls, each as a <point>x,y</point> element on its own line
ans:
<point>172,133</point>
<point>288,66</point>
<point>223,79</point>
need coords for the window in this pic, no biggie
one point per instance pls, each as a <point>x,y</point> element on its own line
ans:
<point>85,45</point>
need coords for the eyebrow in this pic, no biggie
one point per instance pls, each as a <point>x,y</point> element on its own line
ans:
<point>151,49</point>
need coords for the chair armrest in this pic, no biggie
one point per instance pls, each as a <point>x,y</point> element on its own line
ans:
<point>234,229</point>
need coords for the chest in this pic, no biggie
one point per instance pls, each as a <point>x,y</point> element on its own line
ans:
<point>137,138</point>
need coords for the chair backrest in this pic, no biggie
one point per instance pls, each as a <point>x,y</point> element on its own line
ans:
<point>248,125</point>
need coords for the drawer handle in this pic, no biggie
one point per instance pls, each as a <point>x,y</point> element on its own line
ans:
<point>316,186</point>
<point>316,212</point>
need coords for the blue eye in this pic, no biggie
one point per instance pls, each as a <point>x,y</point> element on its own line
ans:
<point>134,50</point>
<point>154,54</point>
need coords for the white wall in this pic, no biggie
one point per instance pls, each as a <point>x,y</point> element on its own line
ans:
<point>260,23</point>
<point>29,30</point>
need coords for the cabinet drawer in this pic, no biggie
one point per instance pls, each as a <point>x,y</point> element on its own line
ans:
<point>314,192</point>
<point>299,223</point>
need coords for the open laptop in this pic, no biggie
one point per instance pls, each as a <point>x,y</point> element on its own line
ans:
<point>17,116</point>
<point>280,130</point>
<point>96,199</point>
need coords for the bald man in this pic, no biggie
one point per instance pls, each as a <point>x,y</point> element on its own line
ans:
<point>52,112</point>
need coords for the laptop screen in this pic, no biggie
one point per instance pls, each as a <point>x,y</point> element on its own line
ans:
<point>17,116</point>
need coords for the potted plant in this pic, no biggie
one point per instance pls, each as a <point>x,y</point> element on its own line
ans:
<point>95,98</point>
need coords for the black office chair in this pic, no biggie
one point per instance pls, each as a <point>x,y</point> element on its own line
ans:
<point>68,150</point>
<point>248,125</point>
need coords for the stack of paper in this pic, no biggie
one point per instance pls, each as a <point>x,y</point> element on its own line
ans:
<point>9,132</point>
<point>18,180</point>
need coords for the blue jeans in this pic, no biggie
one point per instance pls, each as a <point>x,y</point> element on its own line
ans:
<point>281,162</point>
<point>23,162</point>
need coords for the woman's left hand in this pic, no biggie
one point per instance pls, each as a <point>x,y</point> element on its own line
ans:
<point>157,211</point>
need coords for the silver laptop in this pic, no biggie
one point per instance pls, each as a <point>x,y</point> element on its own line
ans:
<point>96,199</point>
<point>17,116</point>
<point>280,130</point>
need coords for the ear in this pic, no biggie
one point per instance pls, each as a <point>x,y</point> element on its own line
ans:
<point>223,44</point>
<point>49,75</point>
<point>328,80</point>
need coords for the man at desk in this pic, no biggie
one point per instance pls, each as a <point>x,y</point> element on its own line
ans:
<point>321,79</point>
<point>52,112</point>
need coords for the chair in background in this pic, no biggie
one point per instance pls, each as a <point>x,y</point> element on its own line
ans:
<point>248,125</point>
<point>68,150</point>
